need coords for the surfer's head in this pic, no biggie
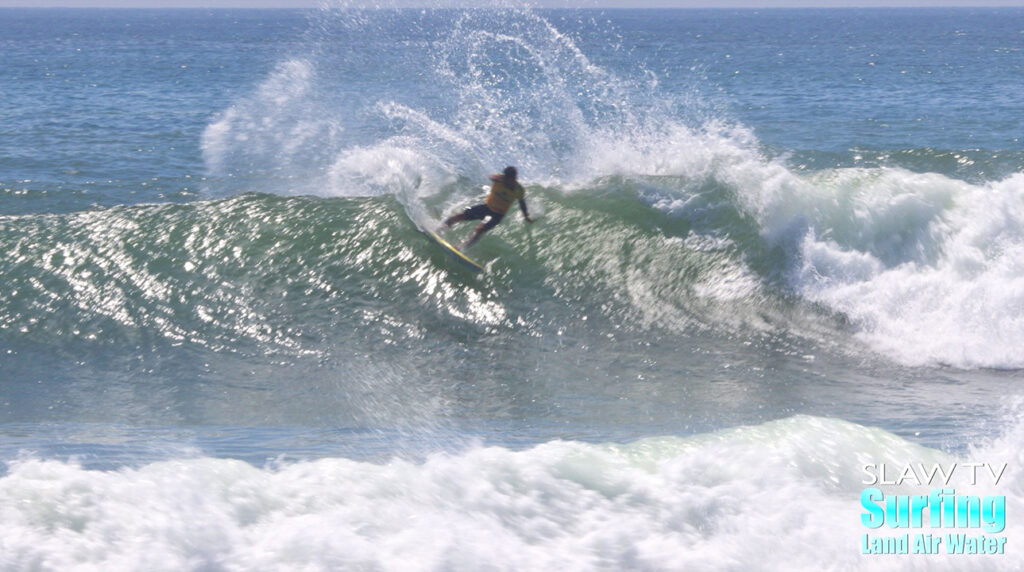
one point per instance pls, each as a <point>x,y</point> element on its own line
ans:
<point>510,173</point>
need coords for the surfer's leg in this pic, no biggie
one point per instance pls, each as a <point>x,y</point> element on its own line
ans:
<point>477,233</point>
<point>483,227</point>
<point>457,217</point>
<point>477,212</point>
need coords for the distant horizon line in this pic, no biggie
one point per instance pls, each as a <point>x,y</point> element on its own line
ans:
<point>383,8</point>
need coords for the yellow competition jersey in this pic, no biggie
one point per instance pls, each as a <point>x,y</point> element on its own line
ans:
<point>501,197</point>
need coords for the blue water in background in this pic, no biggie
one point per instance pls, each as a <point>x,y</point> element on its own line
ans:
<point>105,107</point>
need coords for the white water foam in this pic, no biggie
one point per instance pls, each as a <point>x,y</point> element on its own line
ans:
<point>782,495</point>
<point>927,268</point>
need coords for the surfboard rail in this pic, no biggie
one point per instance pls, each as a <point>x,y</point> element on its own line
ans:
<point>455,252</point>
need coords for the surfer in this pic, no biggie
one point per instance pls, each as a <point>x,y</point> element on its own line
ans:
<point>505,189</point>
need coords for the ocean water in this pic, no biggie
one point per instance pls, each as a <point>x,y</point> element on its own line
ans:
<point>775,250</point>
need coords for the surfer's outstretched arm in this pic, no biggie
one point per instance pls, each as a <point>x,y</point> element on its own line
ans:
<point>522,207</point>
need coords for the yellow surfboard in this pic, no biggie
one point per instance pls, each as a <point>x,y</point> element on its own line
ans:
<point>455,252</point>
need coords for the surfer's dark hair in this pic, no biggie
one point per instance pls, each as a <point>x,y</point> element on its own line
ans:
<point>510,172</point>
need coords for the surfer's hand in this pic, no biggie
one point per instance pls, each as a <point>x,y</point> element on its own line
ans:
<point>528,219</point>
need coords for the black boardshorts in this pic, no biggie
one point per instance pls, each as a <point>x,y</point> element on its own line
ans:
<point>480,212</point>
